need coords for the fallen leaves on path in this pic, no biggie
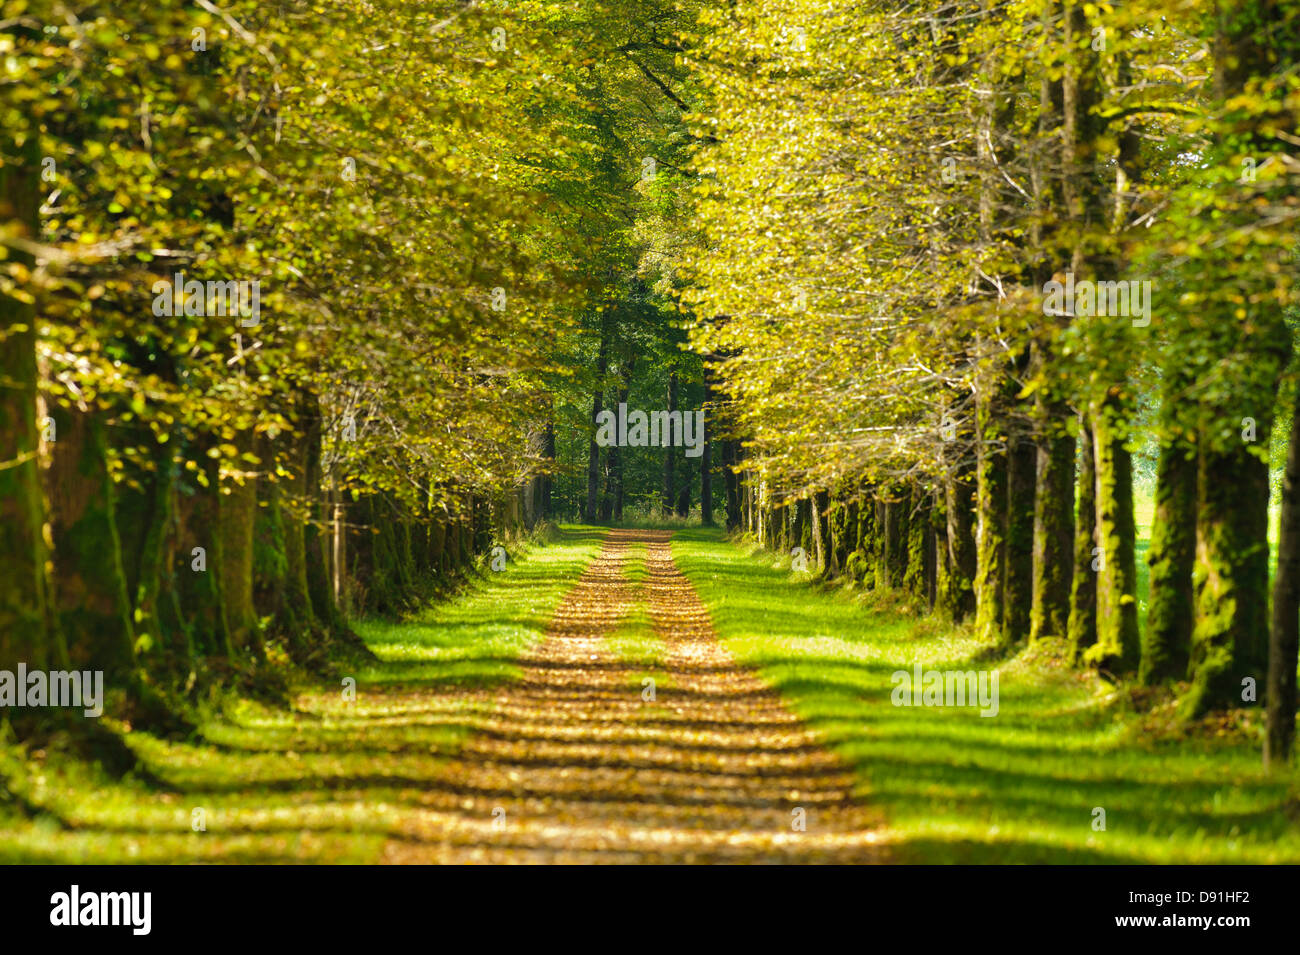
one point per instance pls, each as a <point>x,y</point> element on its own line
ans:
<point>574,765</point>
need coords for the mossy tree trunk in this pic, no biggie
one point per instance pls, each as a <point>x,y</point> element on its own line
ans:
<point>918,522</point>
<point>320,589</point>
<point>1083,588</point>
<point>238,511</point>
<point>1053,556</point>
<point>152,569</point>
<point>893,561</point>
<point>820,531</point>
<point>1018,567</point>
<point>798,523</point>
<point>198,557</point>
<point>939,556</point>
<point>1284,634</point>
<point>781,538</point>
<point>962,563</point>
<point>1229,636</point>
<point>1166,643</point>
<point>89,591</point>
<point>280,549</point>
<point>25,635</point>
<point>1116,648</point>
<point>991,514</point>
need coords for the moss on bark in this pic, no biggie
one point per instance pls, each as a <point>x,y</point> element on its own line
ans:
<point>1116,648</point>
<point>990,508</point>
<point>1166,643</point>
<point>91,605</point>
<point>1018,567</point>
<point>1053,534</point>
<point>1229,639</point>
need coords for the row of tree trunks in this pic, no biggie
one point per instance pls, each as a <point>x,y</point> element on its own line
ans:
<point>895,537</point>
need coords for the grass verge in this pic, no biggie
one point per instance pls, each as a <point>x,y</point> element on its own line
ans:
<point>329,780</point>
<point>1023,786</point>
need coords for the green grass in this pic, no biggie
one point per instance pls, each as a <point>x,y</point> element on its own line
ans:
<point>329,780</point>
<point>1018,787</point>
<point>332,780</point>
<point>474,638</point>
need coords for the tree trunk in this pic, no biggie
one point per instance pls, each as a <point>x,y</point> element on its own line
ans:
<point>1171,606</point>
<point>548,481</point>
<point>1018,580</point>
<point>319,589</point>
<point>198,557</point>
<point>669,498</point>
<point>684,492</point>
<point>962,552</point>
<point>1083,589</point>
<point>706,458</point>
<point>1053,533</point>
<point>918,520</point>
<point>731,480</point>
<point>89,586</point>
<point>1284,635</point>
<point>24,602</point>
<point>238,508</point>
<point>991,512</point>
<point>1116,649</point>
<point>820,530</point>
<point>593,454</point>
<point>616,463</point>
<point>1228,639</point>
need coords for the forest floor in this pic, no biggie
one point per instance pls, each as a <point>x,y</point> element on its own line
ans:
<point>623,696</point>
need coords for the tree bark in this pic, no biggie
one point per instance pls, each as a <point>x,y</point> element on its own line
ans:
<point>1116,649</point>
<point>731,458</point>
<point>593,454</point>
<point>1018,582</point>
<point>1083,588</point>
<point>1228,639</point>
<point>669,498</point>
<point>991,511</point>
<point>1284,635</point>
<point>548,481</point>
<point>1053,533</point>
<point>1171,606</point>
<point>962,552</point>
<point>238,508</point>
<point>706,458</point>
<point>89,586</point>
<point>24,603</point>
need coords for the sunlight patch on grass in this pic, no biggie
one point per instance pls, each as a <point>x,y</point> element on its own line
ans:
<point>330,780</point>
<point>1018,787</point>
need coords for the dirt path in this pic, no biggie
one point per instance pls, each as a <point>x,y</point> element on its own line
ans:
<point>575,766</point>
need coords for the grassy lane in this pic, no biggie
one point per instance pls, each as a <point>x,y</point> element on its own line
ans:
<point>1018,787</point>
<point>329,781</point>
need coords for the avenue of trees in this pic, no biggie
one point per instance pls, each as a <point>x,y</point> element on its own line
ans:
<point>887,192</point>
<point>476,226</point>
<point>442,204</point>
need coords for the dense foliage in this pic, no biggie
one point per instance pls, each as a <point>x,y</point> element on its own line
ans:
<point>307,307</point>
